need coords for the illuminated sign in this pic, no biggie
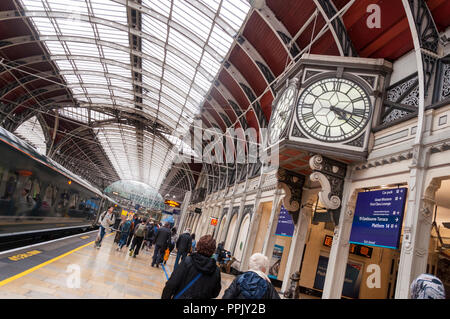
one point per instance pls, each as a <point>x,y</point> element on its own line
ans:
<point>172,203</point>
<point>355,249</point>
<point>214,221</point>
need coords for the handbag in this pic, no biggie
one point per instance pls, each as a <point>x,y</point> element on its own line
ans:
<point>188,286</point>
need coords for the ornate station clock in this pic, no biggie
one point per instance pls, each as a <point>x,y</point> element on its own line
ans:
<point>333,110</point>
<point>281,112</point>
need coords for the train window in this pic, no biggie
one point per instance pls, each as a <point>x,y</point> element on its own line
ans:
<point>73,201</point>
<point>10,186</point>
<point>36,188</point>
<point>48,195</point>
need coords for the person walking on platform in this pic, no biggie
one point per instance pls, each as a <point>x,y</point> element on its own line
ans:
<point>149,235</point>
<point>184,244</point>
<point>125,229</point>
<point>253,284</point>
<point>198,276</point>
<point>161,242</point>
<point>173,240</point>
<point>133,225</point>
<point>138,238</point>
<point>194,243</point>
<point>106,220</point>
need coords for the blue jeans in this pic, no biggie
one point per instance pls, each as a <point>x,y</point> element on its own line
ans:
<point>123,239</point>
<point>182,255</point>
<point>102,234</point>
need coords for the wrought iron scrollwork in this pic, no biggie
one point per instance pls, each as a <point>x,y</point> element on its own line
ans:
<point>292,183</point>
<point>330,174</point>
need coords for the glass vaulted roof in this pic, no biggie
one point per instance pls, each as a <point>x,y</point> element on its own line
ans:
<point>159,63</point>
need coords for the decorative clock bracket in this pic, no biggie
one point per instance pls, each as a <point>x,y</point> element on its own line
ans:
<point>330,174</point>
<point>292,183</point>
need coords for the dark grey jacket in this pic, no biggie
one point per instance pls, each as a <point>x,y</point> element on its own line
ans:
<point>162,237</point>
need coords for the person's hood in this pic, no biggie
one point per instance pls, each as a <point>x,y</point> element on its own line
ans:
<point>204,264</point>
<point>252,285</point>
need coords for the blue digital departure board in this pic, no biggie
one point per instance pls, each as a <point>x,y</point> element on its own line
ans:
<point>378,218</point>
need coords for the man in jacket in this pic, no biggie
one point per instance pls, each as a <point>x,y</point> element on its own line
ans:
<point>106,220</point>
<point>183,245</point>
<point>253,284</point>
<point>139,234</point>
<point>205,286</point>
<point>161,242</point>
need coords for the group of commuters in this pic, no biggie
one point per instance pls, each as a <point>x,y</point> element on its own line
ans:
<point>196,274</point>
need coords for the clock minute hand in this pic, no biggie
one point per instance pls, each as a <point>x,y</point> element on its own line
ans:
<point>340,112</point>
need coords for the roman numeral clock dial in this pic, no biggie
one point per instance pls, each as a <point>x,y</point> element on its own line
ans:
<point>333,110</point>
<point>281,113</point>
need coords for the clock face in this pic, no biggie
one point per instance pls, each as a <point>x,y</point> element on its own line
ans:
<point>281,113</point>
<point>333,110</point>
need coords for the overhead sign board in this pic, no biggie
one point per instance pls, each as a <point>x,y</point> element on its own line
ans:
<point>378,218</point>
<point>285,226</point>
<point>172,203</point>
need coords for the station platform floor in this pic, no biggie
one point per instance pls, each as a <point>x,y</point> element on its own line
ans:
<point>48,270</point>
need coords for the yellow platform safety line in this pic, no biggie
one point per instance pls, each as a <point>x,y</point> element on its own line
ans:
<point>26,272</point>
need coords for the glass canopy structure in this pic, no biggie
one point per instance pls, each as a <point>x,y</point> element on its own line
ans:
<point>137,193</point>
<point>151,60</point>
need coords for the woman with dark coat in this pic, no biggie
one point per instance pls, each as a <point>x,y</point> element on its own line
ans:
<point>253,284</point>
<point>207,286</point>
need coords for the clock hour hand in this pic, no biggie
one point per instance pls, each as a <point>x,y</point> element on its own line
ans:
<point>340,112</point>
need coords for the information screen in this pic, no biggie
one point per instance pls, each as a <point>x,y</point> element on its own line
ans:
<point>378,218</point>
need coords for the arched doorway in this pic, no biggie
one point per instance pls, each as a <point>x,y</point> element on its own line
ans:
<point>230,233</point>
<point>242,238</point>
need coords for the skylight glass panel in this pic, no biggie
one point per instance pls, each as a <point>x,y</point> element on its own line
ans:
<point>209,63</point>
<point>192,19</point>
<point>212,4</point>
<point>31,131</point>
<point>152,68</point>
<point>34,5</point>
<point>220,41</point>
<point>78,48</point>
<point>95,91</point>
<point>115,69</point>
<point>154,28</point>
<point>64,65</point>
<point>75,113</point>
<point>74,6</point>
<point>172,78</point>
<point>185,45</point>
<point>55,47</point>
<point>234,12</point>
<point>109,10</point>
<point>116,55</point>
<point>88,65</point>
<point>180,145</point>
<point>89,78</point>
<point>161,7</point>
<point>152,49</point>
<point>112,34</point>
<point>179,64</point>
<point>120,83</point>
<point>76,28</point>
<point>202,81</point>
<point>175,95</point>
<point>176,74</point>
